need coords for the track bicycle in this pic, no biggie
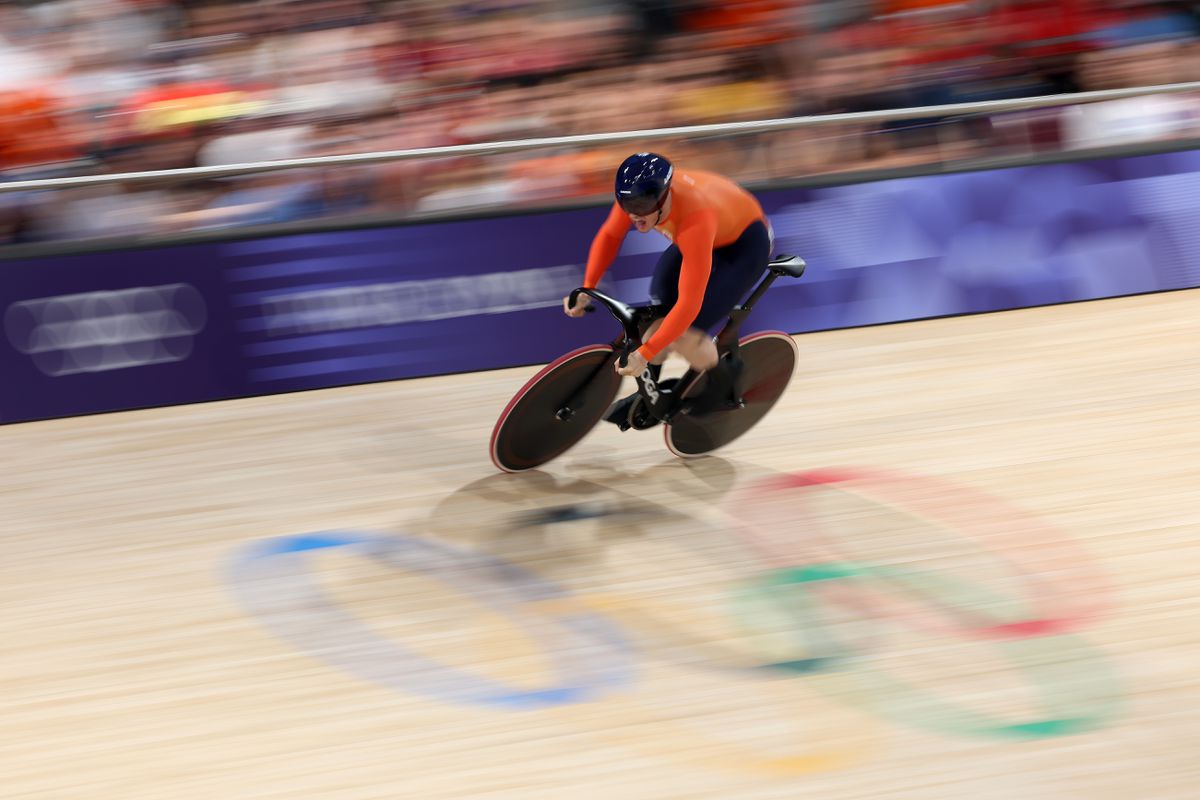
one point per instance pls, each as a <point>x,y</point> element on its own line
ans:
<point>561,404</point>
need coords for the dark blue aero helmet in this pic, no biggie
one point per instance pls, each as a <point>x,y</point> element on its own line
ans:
<point>642,183</point>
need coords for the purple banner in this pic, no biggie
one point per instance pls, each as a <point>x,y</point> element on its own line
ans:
<point>117,330</point>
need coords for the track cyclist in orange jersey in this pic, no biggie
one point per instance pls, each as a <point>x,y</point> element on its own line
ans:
<point>720,244</point>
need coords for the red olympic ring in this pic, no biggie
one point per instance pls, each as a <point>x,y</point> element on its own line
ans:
<point>1065,594</point>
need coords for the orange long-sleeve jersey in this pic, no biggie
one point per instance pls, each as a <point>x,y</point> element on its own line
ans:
<point>707,211</point>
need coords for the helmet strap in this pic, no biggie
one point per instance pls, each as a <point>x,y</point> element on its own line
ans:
<point>662,205</point>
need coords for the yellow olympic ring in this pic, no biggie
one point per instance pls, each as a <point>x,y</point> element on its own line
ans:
<point>640,726</point>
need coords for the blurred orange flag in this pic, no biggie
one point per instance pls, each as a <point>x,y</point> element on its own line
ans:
<point>30,133</point>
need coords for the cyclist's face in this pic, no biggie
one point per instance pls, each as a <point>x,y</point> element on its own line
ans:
<point>646,223</point>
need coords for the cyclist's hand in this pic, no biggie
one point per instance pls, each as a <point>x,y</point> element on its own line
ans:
<point>581,304</point>
<point>635,365</point>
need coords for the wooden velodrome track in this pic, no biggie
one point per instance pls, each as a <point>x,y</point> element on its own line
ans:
<point>958,560</point>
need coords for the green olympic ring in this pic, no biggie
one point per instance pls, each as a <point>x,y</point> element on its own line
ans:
<point>1071,701</point>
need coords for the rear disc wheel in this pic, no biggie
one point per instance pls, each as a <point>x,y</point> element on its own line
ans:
<point>770,360</point>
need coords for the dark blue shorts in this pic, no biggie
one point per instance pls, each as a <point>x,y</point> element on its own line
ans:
<point>736,268</point>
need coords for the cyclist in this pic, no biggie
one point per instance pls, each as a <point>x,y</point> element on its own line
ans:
<point>720,245</point>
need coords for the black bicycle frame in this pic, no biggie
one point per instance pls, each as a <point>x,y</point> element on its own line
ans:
<point>662,405</point>
<point>629,317</point>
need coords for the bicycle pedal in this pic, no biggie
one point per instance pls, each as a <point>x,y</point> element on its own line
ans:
<point>644,422</point>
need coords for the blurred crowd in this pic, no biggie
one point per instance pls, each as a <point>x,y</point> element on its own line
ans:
<point>114,86</point>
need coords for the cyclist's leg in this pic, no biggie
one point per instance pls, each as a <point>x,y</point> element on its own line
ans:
<point>693,344</point>
<point>658,360</point>
<point>737,268</point>
<point>697,346</point>
<point>664,291</point>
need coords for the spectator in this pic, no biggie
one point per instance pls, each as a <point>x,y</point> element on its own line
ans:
<point>132,85</point>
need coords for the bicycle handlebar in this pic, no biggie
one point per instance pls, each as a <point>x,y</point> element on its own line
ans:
<point>621,312</point>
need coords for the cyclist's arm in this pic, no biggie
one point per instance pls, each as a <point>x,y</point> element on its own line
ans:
<point>695,239</point>
<point>605,246</point>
